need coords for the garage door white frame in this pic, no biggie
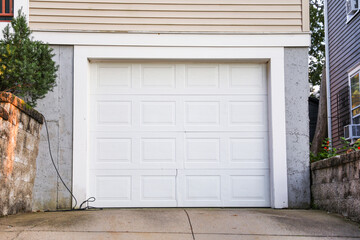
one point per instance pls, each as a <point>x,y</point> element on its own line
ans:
<point>276,94</point>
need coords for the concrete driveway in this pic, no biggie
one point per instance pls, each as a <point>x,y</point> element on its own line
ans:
<point>179,224</point>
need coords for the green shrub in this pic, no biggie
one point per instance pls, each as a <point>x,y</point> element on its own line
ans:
<point>26,66</point>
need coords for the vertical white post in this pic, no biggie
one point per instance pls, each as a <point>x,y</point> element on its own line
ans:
<point>277,129</point>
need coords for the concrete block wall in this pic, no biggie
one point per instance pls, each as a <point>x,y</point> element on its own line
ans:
<point>297,126</point>
<point>19,140</point>
<point>336,185</point>
<point>57,107</point>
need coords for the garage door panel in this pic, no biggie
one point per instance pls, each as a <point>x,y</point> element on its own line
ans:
<point>155,113</point>
<point>118,76</point>
<point>113,187</point>
<point>250,76</point>
<point>203,152</point>
<point>167,134</point>
<point>247,113</point>
<point>179,113</point>
<point>199,189</point>
<point>135,113</point>
<point>225,113</point>
<point>202,76</point>
<point>133,188</point>
<point>202,113</point>
<point>158,188</point>
<point>218,188</point>
<point>178,78</point>
<point>226,150</point>
<point>141,150</point>
<point>248,152</point>
<point>178,92</point>
<point>158,76</point>
<point>155,150</point>
<point>249,189</point>
<point>114,113</point>
<point>114,150</point>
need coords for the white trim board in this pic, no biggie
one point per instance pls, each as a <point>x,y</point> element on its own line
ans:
<point>274,57</point>
<point>178,40</point>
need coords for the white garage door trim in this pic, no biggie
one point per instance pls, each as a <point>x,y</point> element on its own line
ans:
<point>276,100</point>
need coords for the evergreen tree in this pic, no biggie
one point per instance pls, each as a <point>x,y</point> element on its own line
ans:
<point>26,66</point>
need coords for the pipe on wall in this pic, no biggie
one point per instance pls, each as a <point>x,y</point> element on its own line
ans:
<point>327,64</point>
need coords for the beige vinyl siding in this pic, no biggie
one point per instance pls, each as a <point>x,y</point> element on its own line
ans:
<point>169,15</point>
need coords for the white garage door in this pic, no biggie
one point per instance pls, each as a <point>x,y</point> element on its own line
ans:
<point>173,134</point>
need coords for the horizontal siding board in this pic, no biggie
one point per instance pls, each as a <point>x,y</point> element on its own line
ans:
<point>339,24</point>
<point>338,87</point>
<point>168,15</point>
<point>154,28</point>
<point>335,40</point>
<point>339,20</point>
<point>343,66</point>
<point>207,2</point>
<point>343,39</point>
<point>349,56</point>
<point>348,61</point>
<point>167,7</point>
<point>156,21</point>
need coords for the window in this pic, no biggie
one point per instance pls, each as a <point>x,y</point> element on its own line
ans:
<point>6,10</point>
<point>352,131</point>
<point>352,8</point>
<point>355,97</point>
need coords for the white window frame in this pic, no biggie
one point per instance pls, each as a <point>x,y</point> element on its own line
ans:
<point>352,72</point>
<point>17,5</point>
<point>349,17</point>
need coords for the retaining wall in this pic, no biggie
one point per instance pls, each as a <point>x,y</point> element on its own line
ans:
<point>19,139</point>
<point>336,185</point>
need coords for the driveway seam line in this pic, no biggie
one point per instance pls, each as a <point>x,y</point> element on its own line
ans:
<point>191,227</point>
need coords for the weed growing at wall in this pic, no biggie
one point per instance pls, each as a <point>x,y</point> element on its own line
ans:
<point>327,151</point>
<point>26,66</point>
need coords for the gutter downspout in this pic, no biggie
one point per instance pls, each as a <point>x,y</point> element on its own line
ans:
<point>327,64</point>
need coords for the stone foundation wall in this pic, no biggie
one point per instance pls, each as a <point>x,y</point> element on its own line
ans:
<point>336,185</point>
<point>19,139</point>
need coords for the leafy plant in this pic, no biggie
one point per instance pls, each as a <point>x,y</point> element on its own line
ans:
<point>348,147</point>
<point>26,66</point>
<point>327,151</point>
